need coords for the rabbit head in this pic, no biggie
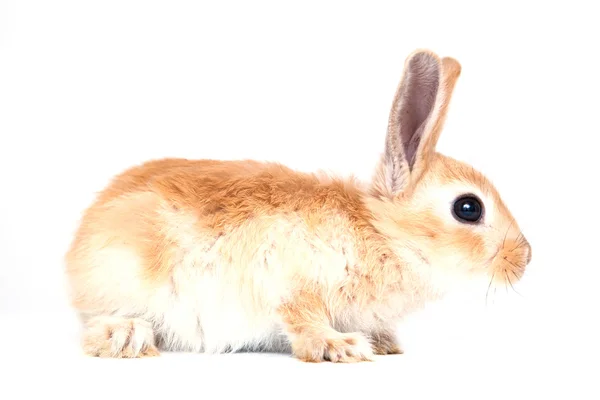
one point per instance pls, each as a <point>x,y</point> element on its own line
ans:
<point>437,212</point>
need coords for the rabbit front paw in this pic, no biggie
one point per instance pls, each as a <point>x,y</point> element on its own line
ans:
<point>335,347</point>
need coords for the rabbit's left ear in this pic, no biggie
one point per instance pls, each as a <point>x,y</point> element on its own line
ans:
<point>416,120</point>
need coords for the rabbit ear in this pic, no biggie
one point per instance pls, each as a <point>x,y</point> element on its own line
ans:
<point>416,119</point>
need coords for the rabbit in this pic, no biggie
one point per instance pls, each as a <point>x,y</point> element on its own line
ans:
<point>217,256</point>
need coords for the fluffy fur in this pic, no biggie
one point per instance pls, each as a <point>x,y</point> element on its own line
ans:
<point>216,256</point>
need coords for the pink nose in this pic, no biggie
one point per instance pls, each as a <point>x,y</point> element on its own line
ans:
<point>528,246</point>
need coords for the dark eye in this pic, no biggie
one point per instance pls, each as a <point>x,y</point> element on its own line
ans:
<point>468,209</point>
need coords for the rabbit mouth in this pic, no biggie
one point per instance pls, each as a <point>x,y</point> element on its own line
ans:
<point>509,262</point>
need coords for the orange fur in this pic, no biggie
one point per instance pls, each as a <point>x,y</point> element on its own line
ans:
<point>329,263</point>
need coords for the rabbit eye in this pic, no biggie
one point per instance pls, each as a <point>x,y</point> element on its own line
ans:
<point>467,209</point>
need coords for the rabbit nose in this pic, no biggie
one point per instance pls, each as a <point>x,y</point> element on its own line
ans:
<point>528,247</point>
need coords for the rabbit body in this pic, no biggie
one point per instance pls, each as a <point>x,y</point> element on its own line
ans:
<point>208,252</point>
<point>217,256</point>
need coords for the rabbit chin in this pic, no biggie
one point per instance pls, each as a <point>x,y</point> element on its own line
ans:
<point>455,272</point>
<point>434,278</point>
<point>503,270</point>
<point>442,282</point>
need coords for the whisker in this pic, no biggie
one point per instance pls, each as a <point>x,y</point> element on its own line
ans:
<point>510,283</point>
<point>519,237</point>
<point>488,289</point>
<point>513,264</point>
<point>506,234</point>
<point>520,241</point>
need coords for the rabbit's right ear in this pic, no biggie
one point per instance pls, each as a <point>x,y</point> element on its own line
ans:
<point>416,120</point>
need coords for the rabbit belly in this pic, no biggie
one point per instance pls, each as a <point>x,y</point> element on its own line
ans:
<point>206,313</point>
<point>204,305</point>
<point>224,293</point>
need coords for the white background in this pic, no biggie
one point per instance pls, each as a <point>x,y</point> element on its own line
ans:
<point>88,88</point>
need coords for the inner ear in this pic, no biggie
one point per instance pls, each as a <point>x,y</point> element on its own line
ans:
<point>423,79</point>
